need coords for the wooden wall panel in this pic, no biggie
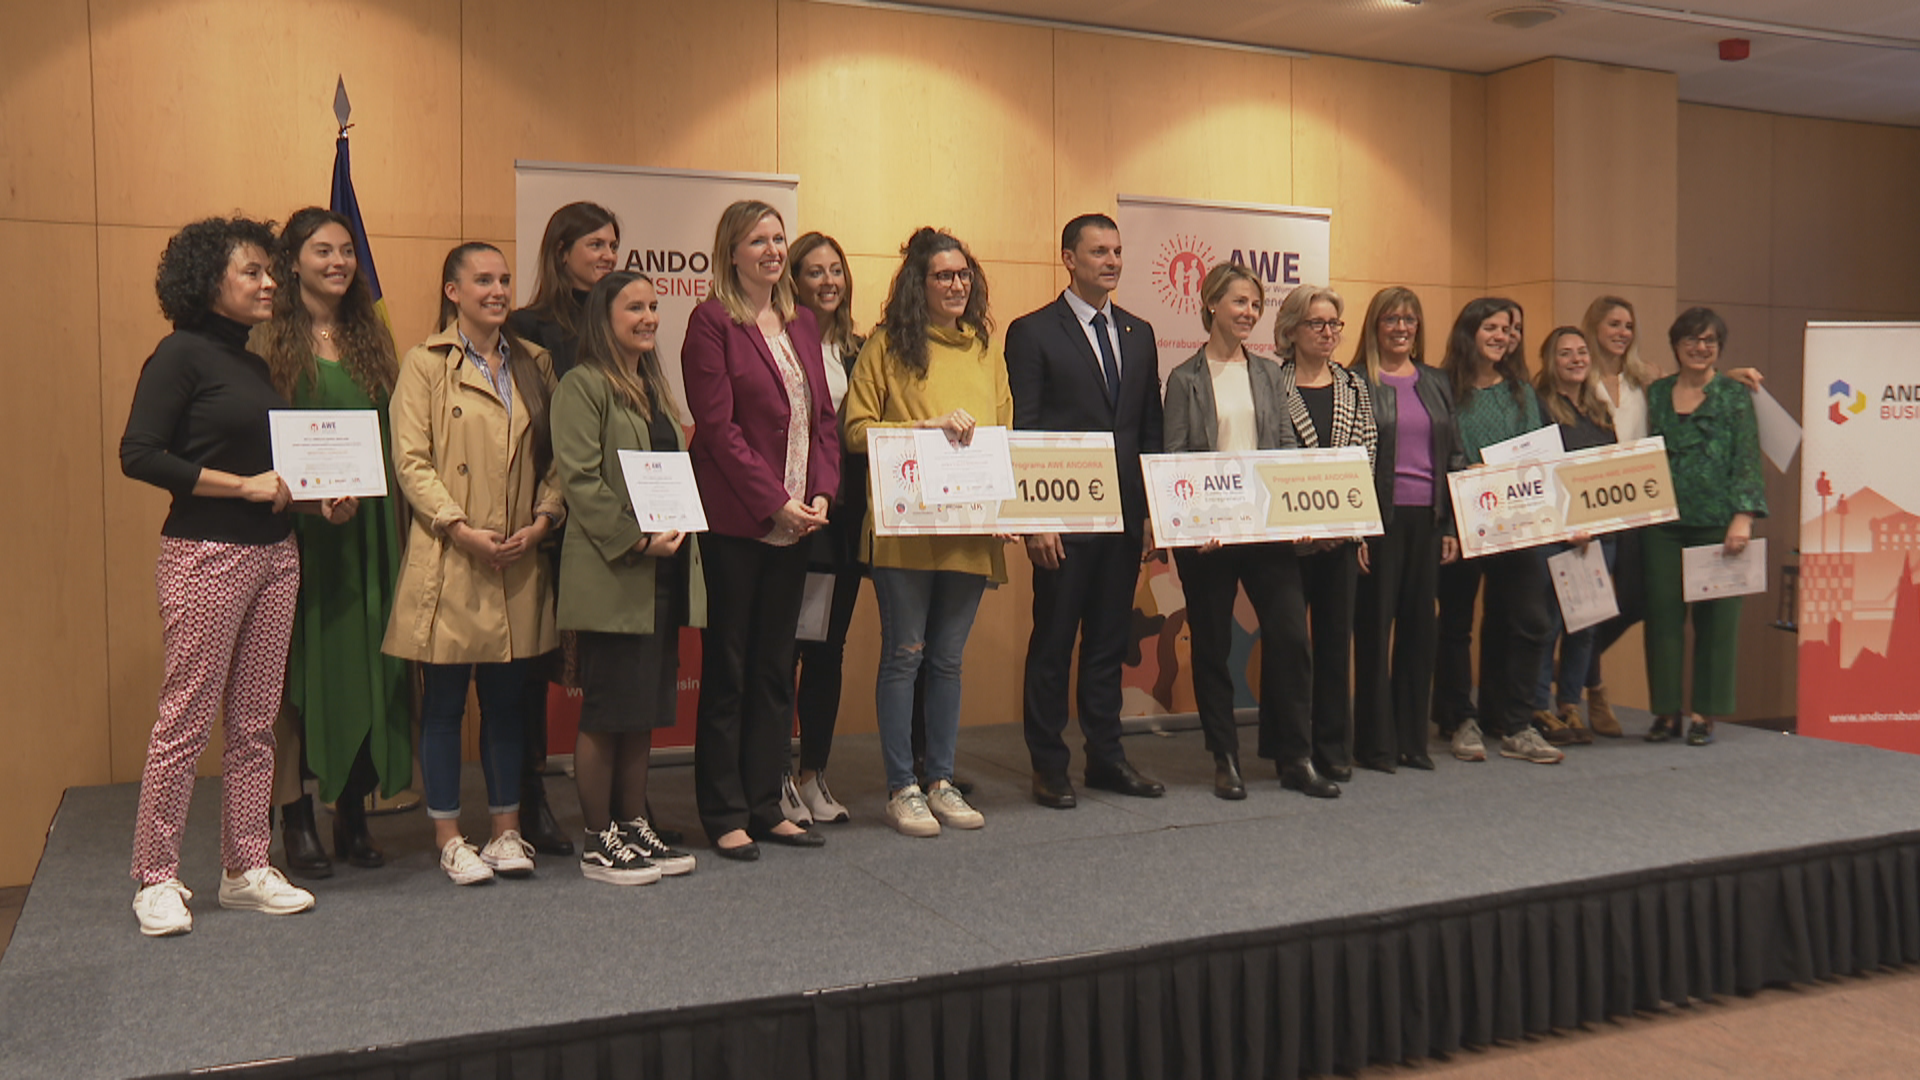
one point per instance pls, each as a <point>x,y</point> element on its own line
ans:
<point>894,121</point>
<point>208,107</point>
<point>1844,215</point>
<point>1468,179</point>
<point>1375,143</point>
<point>55,619</point>
<point>1153,118</point>
<point>1615,145</point>
<point>1519,167</point>
<point>46,106</point>
<point>610,82</point>
<point>1724,223</point>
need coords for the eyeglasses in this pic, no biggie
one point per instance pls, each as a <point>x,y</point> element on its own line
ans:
<point>1324,326</point>
<point>947,279</point>
<point>1399,320</point>
<point>1704,341</point>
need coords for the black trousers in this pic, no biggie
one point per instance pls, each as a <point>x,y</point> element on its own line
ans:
<point>1090,596</point>
<point>1395,629</point>
<point>746,681</point>
<point>1327,583</point>
<point>820,662</point>
<point>1271,576</point>
<point>1629,591</point>
<point>1514,628</point>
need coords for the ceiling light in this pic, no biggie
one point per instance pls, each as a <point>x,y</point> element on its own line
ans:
<point>1524,18</point>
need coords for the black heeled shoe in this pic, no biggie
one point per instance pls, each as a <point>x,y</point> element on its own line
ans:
<point>1226,777</point>
<point>1303,778</point>
<point>537,824</point>
<point>351,841</point>
<point>305,857</point>
<point>1416,761</point>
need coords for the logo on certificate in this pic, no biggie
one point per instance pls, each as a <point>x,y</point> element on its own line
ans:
<point>1183,489</point>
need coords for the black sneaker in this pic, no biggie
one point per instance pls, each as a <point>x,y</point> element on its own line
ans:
<point>668,859</point>
<point>606,856</point>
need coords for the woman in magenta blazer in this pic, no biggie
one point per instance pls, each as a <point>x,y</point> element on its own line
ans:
<point>766,454</point>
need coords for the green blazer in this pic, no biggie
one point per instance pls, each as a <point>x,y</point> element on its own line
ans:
<point>604,584</point>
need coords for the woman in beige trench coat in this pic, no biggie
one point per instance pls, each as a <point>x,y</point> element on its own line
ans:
<point>473,457</point>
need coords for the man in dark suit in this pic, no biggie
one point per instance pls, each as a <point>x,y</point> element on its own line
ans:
<point>1082,364</point>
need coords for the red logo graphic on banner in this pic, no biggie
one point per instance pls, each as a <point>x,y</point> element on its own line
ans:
<point>1178,269</point>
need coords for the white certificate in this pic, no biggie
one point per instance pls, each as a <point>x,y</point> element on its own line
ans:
<point>1585,589</point>
<point>952,473</point>
<point>1536,444</point>
<point>1779,432</point>
<point>665,497</point>
<point>1709,573</point>
<point>329,453</point>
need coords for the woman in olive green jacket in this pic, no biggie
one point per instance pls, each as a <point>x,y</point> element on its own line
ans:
<point>625,591</point>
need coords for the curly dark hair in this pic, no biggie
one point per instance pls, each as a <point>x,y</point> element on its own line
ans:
<point>1462,359</point>
<point>195,263</point>
<point>905,316</point>
<point>366,346</point>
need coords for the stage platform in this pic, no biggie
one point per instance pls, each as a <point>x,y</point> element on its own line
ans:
<point>1183,936</point>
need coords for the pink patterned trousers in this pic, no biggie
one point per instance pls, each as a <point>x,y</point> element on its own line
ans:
<point>227,615</point>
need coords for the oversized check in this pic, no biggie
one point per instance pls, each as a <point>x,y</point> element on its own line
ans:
<point>1064,481</point>
<point>329,453</point>
<point>1261,495</point>
<point>1527,503</point>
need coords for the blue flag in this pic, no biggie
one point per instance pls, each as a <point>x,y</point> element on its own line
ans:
<point>345,203</point>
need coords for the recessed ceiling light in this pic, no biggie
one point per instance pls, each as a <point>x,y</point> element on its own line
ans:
<point>1524,18</point>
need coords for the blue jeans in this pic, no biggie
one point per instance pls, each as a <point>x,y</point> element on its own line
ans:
<point>442,704</point>
<point>1576,649</point>
<point>924,615</point>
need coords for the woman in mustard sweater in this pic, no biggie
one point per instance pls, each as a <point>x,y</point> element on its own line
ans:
<point>931,363</point>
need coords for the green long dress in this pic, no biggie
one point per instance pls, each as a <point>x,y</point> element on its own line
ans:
<point>347,691</point>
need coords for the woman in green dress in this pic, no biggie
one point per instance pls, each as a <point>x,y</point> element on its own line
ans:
<point>329,349</point>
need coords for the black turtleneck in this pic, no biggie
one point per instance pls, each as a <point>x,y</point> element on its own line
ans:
<point>540,327</point>
<point>202,403</point>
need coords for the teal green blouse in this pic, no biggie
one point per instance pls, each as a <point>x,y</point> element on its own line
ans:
<point>1491,415</point>
<point>1714,452</point>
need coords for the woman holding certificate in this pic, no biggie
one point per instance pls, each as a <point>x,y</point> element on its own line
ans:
<point>473,457</point>
<point>349,705</point>
<point>1495,403</point>
<point>766,456</point>
<point>1329,407</point>
<point>1227,399</point>
<point>228,571</point>
<point>931,363</point>
<point>1395,632</point>
<point>626,592</point>
<point>1713,446</point>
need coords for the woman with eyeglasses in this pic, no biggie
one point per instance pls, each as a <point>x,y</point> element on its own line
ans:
<point>931,363</point>
<point>1395,630</point>
<point>1329,406</point>
<point>1713,447</point>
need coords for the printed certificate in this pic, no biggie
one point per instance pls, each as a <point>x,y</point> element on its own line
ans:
<point>661,486</point>
<point>329,453</point>
<point>1709,573</point>
<point>976,471</point>
<point>893,476</point>
<point>1259,496</point>
<point>1536,501</point>
<point>1584,587</point>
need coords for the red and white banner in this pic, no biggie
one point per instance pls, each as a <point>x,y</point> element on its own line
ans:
<point>1860,535</point>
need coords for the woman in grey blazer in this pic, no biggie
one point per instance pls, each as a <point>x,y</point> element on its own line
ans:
<point>1227,399</point>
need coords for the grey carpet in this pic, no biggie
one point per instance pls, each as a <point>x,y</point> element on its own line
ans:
<point>398,954</point>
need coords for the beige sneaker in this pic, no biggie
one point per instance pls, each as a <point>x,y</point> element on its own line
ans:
<point>162,909</point>
<point>951,807</point>
<point>263,888</point>
<point>1467,744</point>
<point>907,812</point>
<point>461,861</point>
<point>508,855</point>
<point>1529,746</point>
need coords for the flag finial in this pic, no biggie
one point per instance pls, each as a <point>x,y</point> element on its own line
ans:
<point>342,108</point>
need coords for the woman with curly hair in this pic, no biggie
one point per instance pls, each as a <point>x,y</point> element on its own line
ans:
<point>228,570</point>
<point>931,363</point>
<point>349,710</point>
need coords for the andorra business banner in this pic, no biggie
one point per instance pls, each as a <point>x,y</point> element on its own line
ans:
<point>1859,585</point>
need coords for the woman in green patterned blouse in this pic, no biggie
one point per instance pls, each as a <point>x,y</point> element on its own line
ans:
<point>1713,447</point>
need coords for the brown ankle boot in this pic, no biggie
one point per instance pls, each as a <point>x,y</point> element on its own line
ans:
<point>1600,714</point>
<point>1577,732</point>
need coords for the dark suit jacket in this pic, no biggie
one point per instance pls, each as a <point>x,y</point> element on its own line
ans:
<point>740,417</point>
<point>1193,417</point>
<point>1448,456</point>
<point>1058,386</point>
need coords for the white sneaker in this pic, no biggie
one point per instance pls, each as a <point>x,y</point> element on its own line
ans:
<point>509,855</point>
<point>461,861</point>
<point>907,811</point>
<point>162,909</point>
<point>1467,744</point>
<point>1529,746</point>
<point>820,802</point>
<point>951,807</point>
<point>263,888</point>
<point>790,804</point>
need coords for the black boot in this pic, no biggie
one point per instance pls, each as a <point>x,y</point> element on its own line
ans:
<point>1303,778</point>
<point>1226,777</point>
<point>536,820</point>
<point>351,841</point>
<point>305,857</point>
